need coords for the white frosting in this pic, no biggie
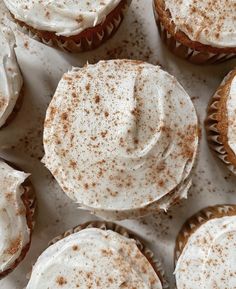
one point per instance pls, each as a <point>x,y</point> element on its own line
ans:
<point>231,112</point>
<point>65,18</point>
<point>120,136</point>
<point>10,77</point>
<point>208,260</point>
<point>14,231</point>
<point>93,258</point>
<point>210,22</point>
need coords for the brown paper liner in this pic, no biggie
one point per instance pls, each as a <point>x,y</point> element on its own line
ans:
<point>124,232</point>
<point>29,200</point>
<point>197,221</point>
<point>87,40</point>
<point>179,43</point>
<point>217,124</point>
<point>16,109</point>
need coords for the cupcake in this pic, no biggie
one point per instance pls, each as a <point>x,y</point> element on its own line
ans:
<point>11,80</point>
<point>73,26</point>
<point>221,121</point>
<point>121,138</point>
<point>205,250</point>
<point>97,255</point>
<point>17,205</point>
<point>199,31</point>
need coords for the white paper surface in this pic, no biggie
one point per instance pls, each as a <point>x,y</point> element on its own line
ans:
<point>21,142</point>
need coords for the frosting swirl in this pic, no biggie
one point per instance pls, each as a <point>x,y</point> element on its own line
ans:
<point>210,22</point>
<point>65,18</point>
<point>120,136</point>
<point>10,77</point>
<point>93,258</point>
<point>231,108</point>
<point>14,231</point>
<point>208,259</point>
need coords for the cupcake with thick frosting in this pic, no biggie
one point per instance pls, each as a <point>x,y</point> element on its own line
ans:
<point>97,255</point>
<point>70,25</point>
<point>121,138</point>
<point>11,81</point>
<point>17,203</point>
<point>200,31</point>
<point>205,250</point>
<point>221,121</point>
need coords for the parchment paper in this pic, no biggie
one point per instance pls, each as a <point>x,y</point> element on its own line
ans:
<point>21,142</point>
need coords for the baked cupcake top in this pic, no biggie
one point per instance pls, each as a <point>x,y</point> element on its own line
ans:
<point>65,18</point>
<point>93,258</point>
<point>231,112</point>
<point>14,231</point>
<point>210,22</point>
<point>120,136</point>
<point>208,259</point>
<point>10,77</point>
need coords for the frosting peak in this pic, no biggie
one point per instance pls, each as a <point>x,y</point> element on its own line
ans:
<point>10,77</point>
<point>14,231</point>
<point>120,135</point>
<point>93,258</point>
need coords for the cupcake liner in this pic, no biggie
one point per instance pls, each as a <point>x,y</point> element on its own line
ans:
<point>197,220</point>
<point>126,233</point>
<point>215,138</point>
<point>29,200</point>
<point>16,109</point>
<point>87,40</point>
<point>186,52</point>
